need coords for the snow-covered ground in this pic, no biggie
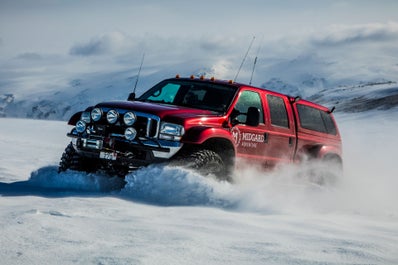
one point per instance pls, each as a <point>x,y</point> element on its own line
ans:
<point>170,216</point>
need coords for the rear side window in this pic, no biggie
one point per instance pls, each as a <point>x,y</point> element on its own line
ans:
<point>278,111</point>
<point>316,120</point>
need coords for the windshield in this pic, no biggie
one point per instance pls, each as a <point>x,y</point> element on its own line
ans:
<point>199,95</point>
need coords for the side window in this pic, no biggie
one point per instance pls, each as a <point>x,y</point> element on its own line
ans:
<point>248,99</point>
<point>278,111</point>
<point>329,124</point>
<point>315,119</point>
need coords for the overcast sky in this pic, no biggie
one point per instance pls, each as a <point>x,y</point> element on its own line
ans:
<point>82,34</point>
<point>45,26</point>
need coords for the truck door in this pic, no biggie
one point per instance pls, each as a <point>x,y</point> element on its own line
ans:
<point>281,131</point>
<point>249,140</point>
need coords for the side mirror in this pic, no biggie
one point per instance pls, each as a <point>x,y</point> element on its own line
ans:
<point>233,118</point>
<point>253,116</point>
<point>131,97</point>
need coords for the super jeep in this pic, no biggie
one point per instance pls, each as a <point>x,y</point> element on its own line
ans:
<point>204,124</point>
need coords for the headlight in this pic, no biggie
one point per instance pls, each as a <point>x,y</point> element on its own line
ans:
<point>129,118</point>
<point>112,116</point>
<point>171,131</point>
<point>130,133</point>
<point>96,114</point>
<point>80,126</point>
<point>85,117</point>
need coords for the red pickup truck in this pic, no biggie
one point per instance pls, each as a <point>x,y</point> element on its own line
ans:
<point>205,124</point>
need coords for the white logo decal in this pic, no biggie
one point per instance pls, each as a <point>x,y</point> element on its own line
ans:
<point>236,134</point>
<point>246,139</point>
<point>253,137</point>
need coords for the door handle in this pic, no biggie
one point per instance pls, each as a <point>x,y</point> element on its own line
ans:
<point>266,138</point>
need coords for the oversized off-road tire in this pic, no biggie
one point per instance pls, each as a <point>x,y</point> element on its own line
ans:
<point>204,161</point>
<point>71,160</point>
<point>327,171</point>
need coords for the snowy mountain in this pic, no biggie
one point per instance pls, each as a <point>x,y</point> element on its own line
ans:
<point>60,101</point>
<point>358,97</point>
<point>381,95</point>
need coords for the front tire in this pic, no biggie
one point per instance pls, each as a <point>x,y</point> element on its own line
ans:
<point>204,161</point>
<point>70,159</point>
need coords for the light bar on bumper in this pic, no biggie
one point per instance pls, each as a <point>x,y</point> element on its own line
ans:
<point>112,116</point>
<point>130,133</point>
<point>129,118</point>
<point>171,131</point>
<point>80,126</point>
<point>96,114</point>
<point>86,117</point>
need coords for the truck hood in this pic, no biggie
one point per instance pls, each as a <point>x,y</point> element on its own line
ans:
<point>161,110</point>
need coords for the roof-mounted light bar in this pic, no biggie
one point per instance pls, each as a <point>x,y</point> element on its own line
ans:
<point>202,77</point>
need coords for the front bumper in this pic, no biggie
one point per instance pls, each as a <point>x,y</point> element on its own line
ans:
<point>115,149</point>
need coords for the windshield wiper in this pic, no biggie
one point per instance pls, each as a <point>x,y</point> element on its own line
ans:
<point>154,101</point>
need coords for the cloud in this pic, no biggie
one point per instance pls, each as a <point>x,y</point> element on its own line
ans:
<point>341,35</point>
<point>120,44</point>
<point>216,43</point>
<point>123,50</point>
<point>30,56</point>
<point>104,44</point>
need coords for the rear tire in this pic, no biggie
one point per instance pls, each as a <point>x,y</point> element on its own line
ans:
<point>328,170</point>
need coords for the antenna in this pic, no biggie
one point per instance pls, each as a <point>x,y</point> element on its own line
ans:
<point>254,66</point>
<point>139,71</point>
<point>244,58</point>
<point>132,95</point>
<point>255,61</point>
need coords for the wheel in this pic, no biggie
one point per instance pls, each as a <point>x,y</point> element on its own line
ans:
<point>328,170</point>
<point>334,161</point>
<point>70,159</point>
<point>204,161</point>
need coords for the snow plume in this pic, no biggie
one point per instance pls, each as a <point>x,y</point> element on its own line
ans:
<point>47,182</point>
<point>48,177</point>
<point>366,186</point>
<point>166,185</point>
<point>287,190</point>
<point>370,162</point>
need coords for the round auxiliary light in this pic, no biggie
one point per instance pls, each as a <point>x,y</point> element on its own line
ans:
<point>96,114</point>
<point>80,126</point>
<point>85,117</point>
<point>130,133</point>
<point>129,118</point>
<point>112,116</point>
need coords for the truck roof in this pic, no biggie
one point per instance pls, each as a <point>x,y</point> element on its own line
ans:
<point>232,83</point>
